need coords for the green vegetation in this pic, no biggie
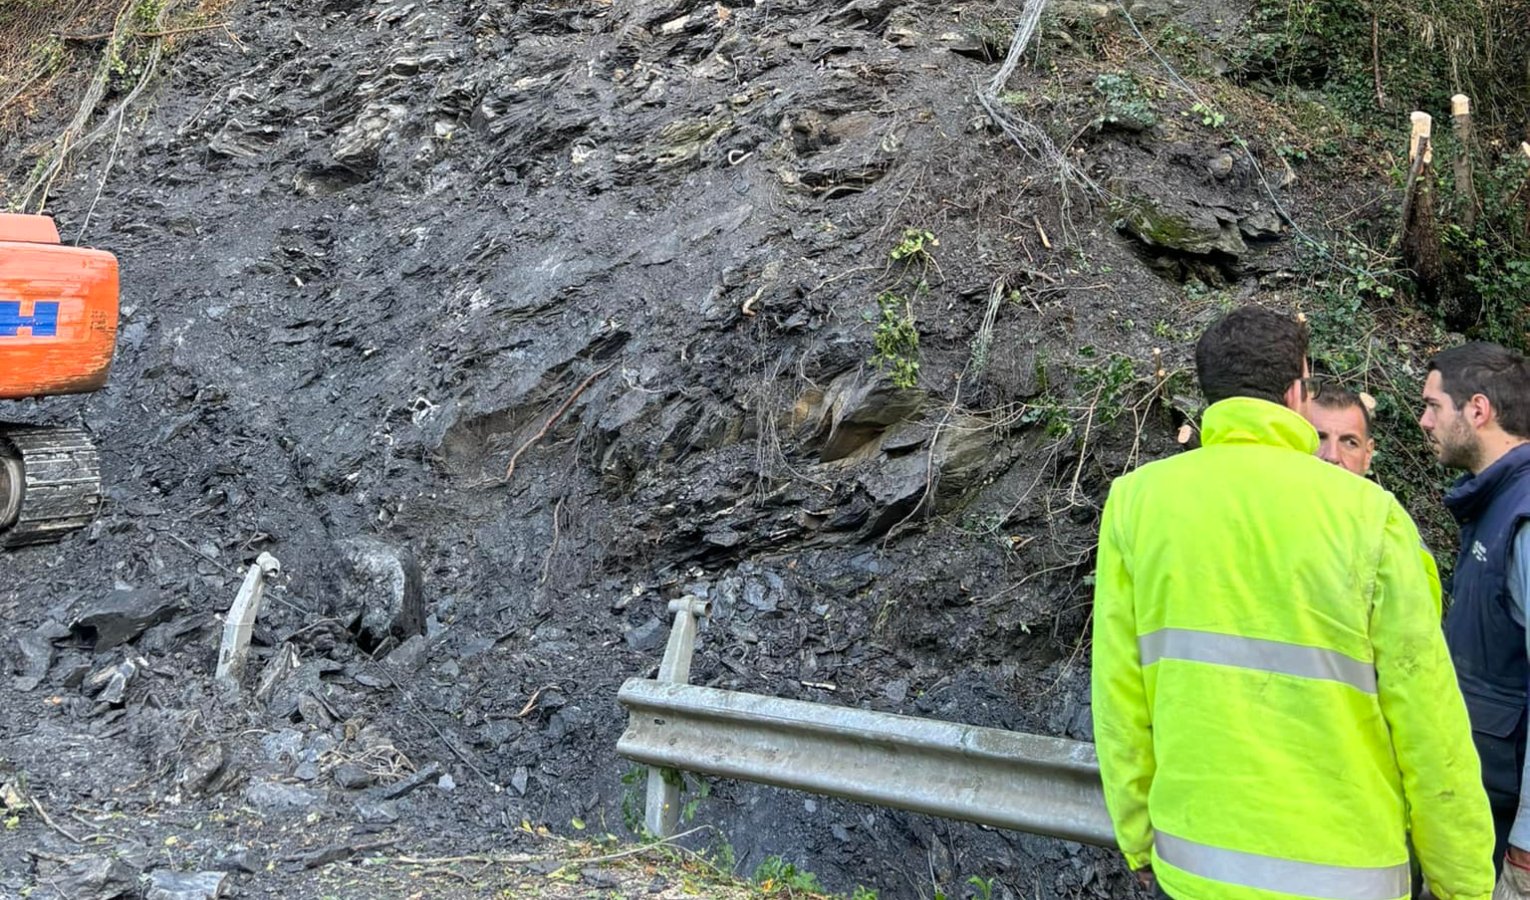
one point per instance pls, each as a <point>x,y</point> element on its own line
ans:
<point>915,245</point>
<point>896,340</point>
<point>1209,117</point>
<point>1422,53</point>
<point>776,874</point>
<point>1128,104</point>
<point>895,334</point>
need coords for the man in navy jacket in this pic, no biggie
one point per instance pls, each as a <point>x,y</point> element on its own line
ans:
<point>1477,417</point>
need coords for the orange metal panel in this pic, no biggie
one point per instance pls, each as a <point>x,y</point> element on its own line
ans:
<point>58,318</point>
<point>20,227</point>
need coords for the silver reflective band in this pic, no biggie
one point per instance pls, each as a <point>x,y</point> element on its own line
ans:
<point>1256,653</point>
<point>1288,876</point>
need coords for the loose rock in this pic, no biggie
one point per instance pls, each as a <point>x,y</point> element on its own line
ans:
<point>122,616</point>
<point>169,885</point>
<point>380,590</point>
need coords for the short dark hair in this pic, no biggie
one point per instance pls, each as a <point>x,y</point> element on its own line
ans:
<point>1251,352</point>
<point>1338,397</point>
<point>1495,372</point>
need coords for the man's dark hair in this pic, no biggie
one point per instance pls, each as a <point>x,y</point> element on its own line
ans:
<point>1495,372</point>
<point>1250,352</point>
<point>1337,397</point>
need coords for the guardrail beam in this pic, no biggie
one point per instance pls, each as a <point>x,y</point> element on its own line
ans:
<point>1006,779</point>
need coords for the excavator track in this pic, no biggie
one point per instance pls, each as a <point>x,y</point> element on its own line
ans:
<point>50,483</point>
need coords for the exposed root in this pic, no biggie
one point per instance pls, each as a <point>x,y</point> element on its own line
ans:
<point>515,457</point>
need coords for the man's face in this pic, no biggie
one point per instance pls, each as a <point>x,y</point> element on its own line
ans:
<point>1341,437</point>
<point>1451,436</point>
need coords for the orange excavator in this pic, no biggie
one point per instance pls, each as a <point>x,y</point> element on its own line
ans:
<point>58,330</point>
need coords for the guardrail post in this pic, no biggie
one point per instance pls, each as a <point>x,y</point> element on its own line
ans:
<point>661,815</point>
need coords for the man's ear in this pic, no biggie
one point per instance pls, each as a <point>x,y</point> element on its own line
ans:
<point>1479,411</point>
<point>1295,398</point>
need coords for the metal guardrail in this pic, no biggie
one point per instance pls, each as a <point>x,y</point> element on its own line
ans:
<point>1002,778</point>
<point>1006,779</point>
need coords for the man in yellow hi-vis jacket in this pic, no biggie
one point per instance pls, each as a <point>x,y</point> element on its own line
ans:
<point>1274,706</point>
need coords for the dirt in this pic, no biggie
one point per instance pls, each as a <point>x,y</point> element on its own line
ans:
<point>372,252</point>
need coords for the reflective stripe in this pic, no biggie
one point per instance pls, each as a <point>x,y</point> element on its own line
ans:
<point>1256,653</point>
<point>1270,873</point>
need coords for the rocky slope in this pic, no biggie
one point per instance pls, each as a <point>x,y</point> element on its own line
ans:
<point>375,254</point>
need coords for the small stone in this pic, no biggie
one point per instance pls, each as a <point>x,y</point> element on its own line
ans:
<point>169,885</point>
<point>70,671</point>
<point>759,596</point>
<point>447,783</point>
<point>241,859</point>
<point>896,691</point>
<point>282,746</point>
<point>377,812</point>
<point>430,772</point>
<point>270,796</point>
<point>201,767</point>
<point>409,656</point>
<point>1261,225</point>
<point>599,878</point>
<point>810,805</point>
<point>352,777</point>
<point>647,637</point>
<point>520,779</point>
<point>497,733</point>
<point>36,657</point>
<point>110,685</point>
<point>96,877</point>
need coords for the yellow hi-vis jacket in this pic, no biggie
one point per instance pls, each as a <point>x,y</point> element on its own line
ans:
<point>1274,706</point>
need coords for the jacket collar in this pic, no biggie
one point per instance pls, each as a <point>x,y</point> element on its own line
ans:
<point>1469,496</point>
<point>1245,420</point>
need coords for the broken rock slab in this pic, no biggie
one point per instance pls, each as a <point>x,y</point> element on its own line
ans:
<point>110,685</point>
<point>95,878</point>
<point>165,884</point>
<point>201,768</point>
<point>647,637</point>
<point>427,774</point>
<point>121,616</point>
<point>36,657</point>
<point>853,411</point>
<point>376,812</point>
<point>1169,224</point>
<point>380,590</point>
<point>270,796</point>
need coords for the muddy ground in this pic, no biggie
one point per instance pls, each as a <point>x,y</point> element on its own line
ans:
<point>370,249</point>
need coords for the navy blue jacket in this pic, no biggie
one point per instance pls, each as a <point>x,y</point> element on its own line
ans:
<point>1486,639</point>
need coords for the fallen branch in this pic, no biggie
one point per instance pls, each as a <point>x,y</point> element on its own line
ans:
<point>514,458</point>
<point>634,851</point>
<point>47,820</point>
<point>454,860</point>
<point>338,853</point>
<point>532,703</point>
